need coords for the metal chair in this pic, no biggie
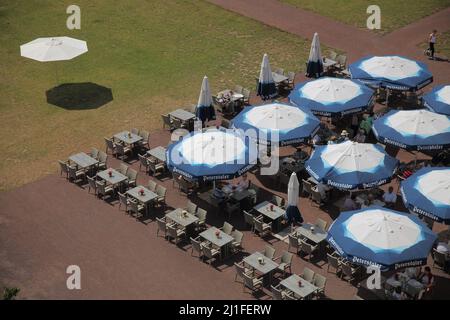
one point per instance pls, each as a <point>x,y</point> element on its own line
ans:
<point>307,187</point>
<point>92,185</point>
<point>439,259</point>
<point>236,245</point>
<point>294,242</point>
<point>110,145</point>
<point>262,228</point>
<point>123,200</point>
<point>145,142</point>
<point>249,220</point>
<point>308,274</point>
<point>94,153</point>
<point>102,159</point>
<point>320,282</point>
<point>278,201</point>
<point>285,262</point>
<point>63,168</point>
<point>349,271</point>
<point>76,175</point>
<point>132,177</point>
<point>143,162</point>
<point>167,121</point>
<point>161,192</point>
<point>122,169</point>
<point>269,252</point>
<point>191,207</point>
<point>253,283</point>
<point>238,89</point>
<point>175,233</point>
<point>322,224</point>
<point>152,185</point>
<point>136,209</point>
<point>308,249</point>
<point>197,246</point>
<point>227,228</point>
<point>135,131</point>
<point>333,262</point>
<point>122,150</point>
<point>241,270</point>
<point>211,253</point>
<point>103,190</point>
<point>201,215</point>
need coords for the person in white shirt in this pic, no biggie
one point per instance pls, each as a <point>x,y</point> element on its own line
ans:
<point>432,41</point>
<point>244,183</point>
<point>443,247</point>
<point>390,198</point>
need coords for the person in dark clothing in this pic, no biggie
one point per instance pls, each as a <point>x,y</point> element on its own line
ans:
<point>432,41</point>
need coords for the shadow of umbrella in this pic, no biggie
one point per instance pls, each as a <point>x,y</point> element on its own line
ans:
<point>79,96</point>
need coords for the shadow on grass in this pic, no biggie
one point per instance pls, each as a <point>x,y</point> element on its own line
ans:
<point>79,96</point>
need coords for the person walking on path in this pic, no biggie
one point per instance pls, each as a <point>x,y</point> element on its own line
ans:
<point>432,41</point>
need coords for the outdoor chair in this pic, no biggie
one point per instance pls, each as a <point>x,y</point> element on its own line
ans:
<point>92,185</point>
<point>254,191</point>
<point>321,224</point>
<point>231,208</point>
<point>246,94</point>
<point>285,262</point>
<point>332,55</point>
<point>155,167</point>
<point>145,142</point>
<point>269,252</point>
<point>191,207</point>
<point>241,270</point>
<point>307,187</point>
<point>167,122</point>
<point>262,228</point>
<point>162,226</point>
<point>225,123</point>
<point>63,168</point>
<point>103,190</point>
<point>123,168</point>
<point>227,228</point>
<point>177,123</point>
<point>143,162</point>
<point>308,274</point>
<point>132,177</point>
<point>278,201</point>
<point>211,253</point>
<point>161,192</point>
<point>152,185</point>
<point>316,197</point>
<point>291,79</point>
<point>123,201</point>
<point>308,249</point>
<point>236,245</point>
<point>136,209</point>
<point>350,272</point>
<point>185,186</point>
<point>197,246</point>
<point>174,233</point>
<point>111,146</point>
<point>294,242</point>
<point>102,159</point>
<point>279,71</point>
<point>135,131</point>
<point>320,282</point>
<point>333,262</point>
<point>439,259</point>
<point>290,296</point>
<point>253,283</point>
<point>278,293</point>
<point>341,62</point>
<point>94,153</point>
<point>122,151</point>
<point>249,220</point>
<point>238,89</point>
<point>201,215</point>
<point>76,175</point>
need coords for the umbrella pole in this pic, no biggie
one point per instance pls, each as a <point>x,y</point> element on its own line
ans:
<point>387,96</point>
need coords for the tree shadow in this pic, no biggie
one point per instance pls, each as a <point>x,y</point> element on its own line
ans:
<point>79,96</point>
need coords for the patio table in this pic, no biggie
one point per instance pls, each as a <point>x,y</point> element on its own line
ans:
<point>222,242</point>
<point>317,236</point>
<point>180,219</point>
<point>82,160</point>
<point>274,215</point>
<point>158,153</point>
<point>278,78</point>
<point>328,63</point>
<point>145,198</point>
<point>115,178</point>
<point>292,283</point>
<point>265,268</point>
<point>182,115</point>
<point>127,137</point>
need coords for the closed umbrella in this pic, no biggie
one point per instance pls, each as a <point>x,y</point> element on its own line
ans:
<point>315,64</point>
<point>438,100</point>
<point>205,109</point>
<point>331,97</point>
<point>277,122</point>
<point>376,236</point>
<point>351,165</point>
<point>292,212</point>
<point>413,129</point>
<point>266,86</point>
<point>427,193</point>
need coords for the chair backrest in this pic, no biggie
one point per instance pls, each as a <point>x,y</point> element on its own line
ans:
<point>305,247</point>
<point>322,224</point>
<point>102,156</point>
<point>132,174</point>
<point>342,60</point>
<point>123,168</point>
<point>246,93</point>
<point>319,281</point>
<point>439,257</point>
<point>94,153</point>
<point>293,241</point>
<point>160,190</point>
<point>347,269</point>
<point>291,76</point>
<point>161,224</point>
<point>91,182</point>
<point>307,186</point>
<point>177,122</point>
<point>171,231</point>
<point>166,119</point>
<point>145,135</point>
<point>207,252</point>
<point>135,131</point>
<point>240,269</point>
<point>196,245</point>
<point>276,293</point>
<point>308,274</point>
<point>191,207</point>
<point>152,185</point>
<point>143,160</point>
<point>333,261</point>
<point>269,252</point>
<point>248,281</point>
<point>316,196</point>
<point>101,187</point>
<point>134,205</point>
<point>72,172</point>
<point>332,55</point>
<point>63,166</point>
<point>258,225</point>
<point>225,123</point>
<point>201,214</point>
<point>109,143</point>
<point>238,88</point>
<point>237,235</point>
<point>248,218</point>
<point>279,201</point>
<point>287,257</point>
<point>123,198</point>
<point>227,228</point>
<point>120,148</point>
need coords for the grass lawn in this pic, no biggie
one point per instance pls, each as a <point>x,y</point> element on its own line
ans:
<point>152,54</point>
<point>394,13</point>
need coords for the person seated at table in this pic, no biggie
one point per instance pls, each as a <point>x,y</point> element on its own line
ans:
<point>350,203</point>
<point>390,198</point>
<point>366,123</point>
<point>427,279</point>
<point>343,137</point>
<point>332,140</point>
<point>244,182</point>
<point>398,294</point>
<point>365,204</point>
<point>316,140</point>
<point>323,190</point>
<point>360,137</point>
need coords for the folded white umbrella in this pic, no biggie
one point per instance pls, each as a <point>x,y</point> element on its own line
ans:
<point>205,109</point>
<point>53,49</point>
<point>292,212</point>
<point>315,65</point>
<point>266,85</point>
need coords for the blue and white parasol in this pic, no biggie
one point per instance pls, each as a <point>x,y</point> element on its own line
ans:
<point>380,237</point>
<point>413,129</point>
<point>212,155</point>
<point>277,123</point>
<point>205,109</point>
<point>314,67</point>
<point>391,72</point>
<point>438,100</point>
<point>427,193</point>
<point>351,165</point>
<point>266,85</point>
<point>332,96</point>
